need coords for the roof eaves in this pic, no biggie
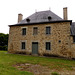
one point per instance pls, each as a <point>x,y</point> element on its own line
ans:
<point>41,22</point>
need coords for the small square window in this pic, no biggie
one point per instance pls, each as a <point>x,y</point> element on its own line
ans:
<point>48,30</point>
<point>35,30</point>
<point>24,31</point>
<point>59,41</point>
<point>23,45</point>
<point>48,46</point>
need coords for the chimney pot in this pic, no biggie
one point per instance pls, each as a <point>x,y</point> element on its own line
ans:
<point>65,13</point>
<point>20,16</point>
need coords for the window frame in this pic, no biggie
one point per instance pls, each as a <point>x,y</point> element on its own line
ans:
<point>48,46</point>
<point>48,31</point>
<point>24,31</point>
<point>23,45</point>
<point>35,30</point>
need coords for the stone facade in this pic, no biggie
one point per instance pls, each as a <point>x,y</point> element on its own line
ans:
<point>60,39</point>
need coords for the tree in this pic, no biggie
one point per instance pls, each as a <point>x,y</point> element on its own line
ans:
<point>3,41</point>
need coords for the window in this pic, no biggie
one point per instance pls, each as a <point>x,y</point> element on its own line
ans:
<point>23,45</point>
<point>71,31</point>
<point>35,30</point>
<point>24,31</point>
<point>48,46</point>
<point>48,30</point>
<point>59,41</point>
<point>74,39</point>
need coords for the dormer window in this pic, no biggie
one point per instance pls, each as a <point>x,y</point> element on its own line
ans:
<point>49,18</point>
<point>28,20</point>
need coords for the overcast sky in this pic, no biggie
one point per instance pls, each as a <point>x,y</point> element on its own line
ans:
<point>9,10</point>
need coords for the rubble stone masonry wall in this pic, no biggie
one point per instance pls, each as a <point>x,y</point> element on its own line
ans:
<point>61,41</point>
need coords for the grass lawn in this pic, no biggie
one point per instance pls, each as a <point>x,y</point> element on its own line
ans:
<point>8,60</point>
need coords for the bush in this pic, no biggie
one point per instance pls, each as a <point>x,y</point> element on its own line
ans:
<point>3,41</point>
<point>4,48</point>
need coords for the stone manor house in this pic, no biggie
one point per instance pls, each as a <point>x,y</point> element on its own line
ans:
<point>43,33</point>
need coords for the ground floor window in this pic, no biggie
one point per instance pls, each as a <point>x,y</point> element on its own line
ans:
<point>48,46</point>
<point>23,45</point>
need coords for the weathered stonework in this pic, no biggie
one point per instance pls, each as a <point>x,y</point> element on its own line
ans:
<point>61,41</point>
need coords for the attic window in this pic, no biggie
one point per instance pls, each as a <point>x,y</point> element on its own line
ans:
<point>28,20</point>
<point>49,18</point>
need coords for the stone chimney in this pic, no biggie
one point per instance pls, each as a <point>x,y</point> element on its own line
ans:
<point>20,16</point>
<point>65,13</point>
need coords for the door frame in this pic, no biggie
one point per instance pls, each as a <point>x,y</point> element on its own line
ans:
<point>37,49</point>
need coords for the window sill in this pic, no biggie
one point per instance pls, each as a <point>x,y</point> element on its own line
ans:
<point>48,34</point>
<point>35,35</point>
<point>23,35</point>
<point>22,49</point>
<point>48,50</point>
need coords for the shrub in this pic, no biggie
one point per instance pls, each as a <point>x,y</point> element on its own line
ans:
<point>3,41</point>
<point>4,48</point>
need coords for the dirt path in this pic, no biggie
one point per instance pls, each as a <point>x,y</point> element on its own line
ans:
<point>40,70</point>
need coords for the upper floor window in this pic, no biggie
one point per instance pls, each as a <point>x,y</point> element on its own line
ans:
<point>48,30</point>
<point>73,39</point>
<point>35,30</point>
<point>24,31</point>
<point>23,45</point>
<point>48,46</point>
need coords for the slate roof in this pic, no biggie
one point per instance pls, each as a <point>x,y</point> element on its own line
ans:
<point>73,29</point>
<point>41,16</point>
<point>45,17</point>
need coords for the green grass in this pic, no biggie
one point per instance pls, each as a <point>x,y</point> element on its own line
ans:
<point>54,73</point>
<point>8,60</point>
